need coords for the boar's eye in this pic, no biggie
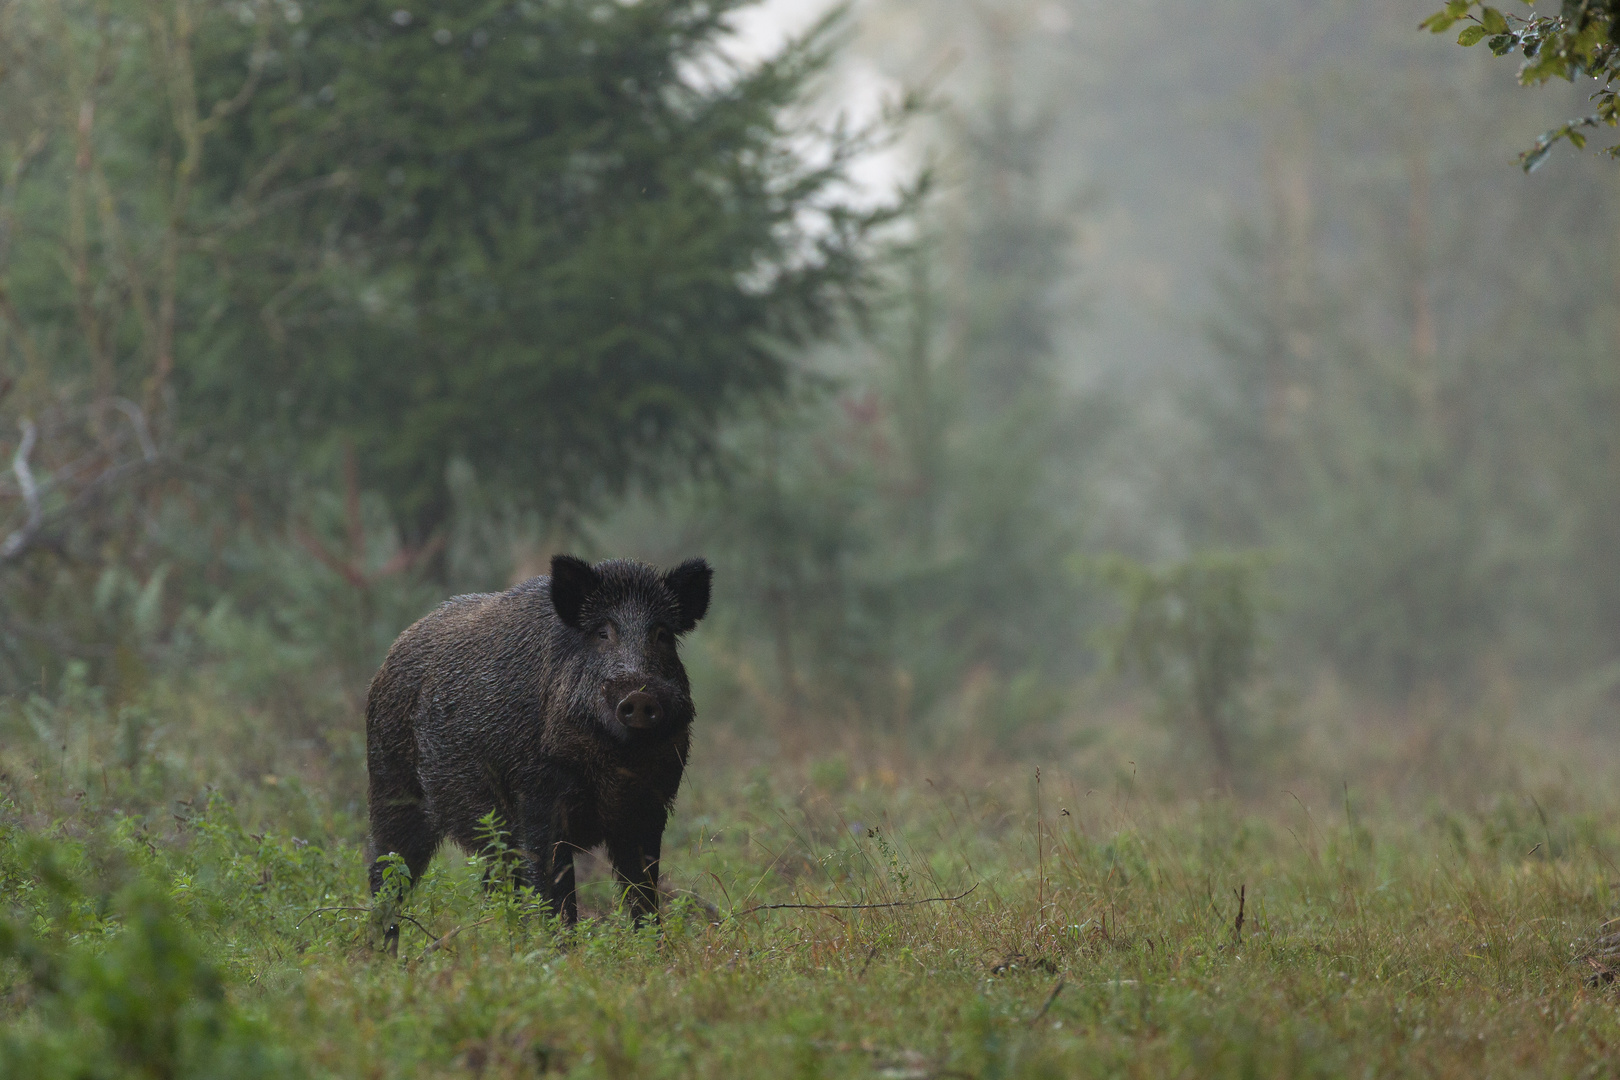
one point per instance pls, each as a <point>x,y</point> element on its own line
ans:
<point>606,632</point>
<point>661,635</point>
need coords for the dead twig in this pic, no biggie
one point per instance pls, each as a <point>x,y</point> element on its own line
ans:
<point>848,907</point>
<point>1237,927</point>
<point>702,903</point>
<point>1603,956</point>
<point>353,907</point>
<point>439,943</point>
<point>321,910</point>
<point>1057,988</point>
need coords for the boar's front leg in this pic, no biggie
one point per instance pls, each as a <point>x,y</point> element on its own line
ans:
<point>548,861</point>
<point>561,896</point>
<point>635,864</point>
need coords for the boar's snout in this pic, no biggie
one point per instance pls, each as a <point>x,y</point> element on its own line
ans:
<point>640,709</point>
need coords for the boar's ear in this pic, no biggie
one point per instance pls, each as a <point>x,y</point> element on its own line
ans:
<point>690,584</point>
<point>572,583</point>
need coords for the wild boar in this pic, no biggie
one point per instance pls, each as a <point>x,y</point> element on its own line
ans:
<point>560,704</point>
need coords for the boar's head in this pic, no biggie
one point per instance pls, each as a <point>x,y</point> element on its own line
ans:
<point>621,620</point>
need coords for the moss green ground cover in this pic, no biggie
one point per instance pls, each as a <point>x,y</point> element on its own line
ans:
<point>154,933</point>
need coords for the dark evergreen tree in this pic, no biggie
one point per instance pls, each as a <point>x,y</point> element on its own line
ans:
<point>560,240</point>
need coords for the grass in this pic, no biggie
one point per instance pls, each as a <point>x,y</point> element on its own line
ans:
<point>1417,918</point>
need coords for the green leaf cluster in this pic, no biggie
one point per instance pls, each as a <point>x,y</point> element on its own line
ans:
<point>1582,41</point>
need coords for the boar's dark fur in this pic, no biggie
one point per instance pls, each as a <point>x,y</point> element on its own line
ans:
<point>560,704</point>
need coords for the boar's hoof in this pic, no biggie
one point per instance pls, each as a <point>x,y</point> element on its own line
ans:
<point>640,710</point>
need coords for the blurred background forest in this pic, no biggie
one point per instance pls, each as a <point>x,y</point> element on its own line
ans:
<point>961,336</point>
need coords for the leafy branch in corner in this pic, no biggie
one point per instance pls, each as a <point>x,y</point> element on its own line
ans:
<point>1582,41</point>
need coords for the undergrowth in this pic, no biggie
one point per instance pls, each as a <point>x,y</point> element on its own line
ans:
<point>166,917</point>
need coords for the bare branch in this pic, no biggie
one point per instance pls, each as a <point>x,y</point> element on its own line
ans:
<point>137,418</point>
<point>8,195</point>
<point>248,211</point>
<point>225,107</point>
<point>18,541</point>
<point>312,543</point>
<point>25,337</point>
<point>25,538</point>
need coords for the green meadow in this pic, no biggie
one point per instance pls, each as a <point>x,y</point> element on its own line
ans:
<point>1426,899</point>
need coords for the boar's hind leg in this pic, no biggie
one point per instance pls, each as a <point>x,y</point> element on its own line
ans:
<point>399,823</point>
<point>635,864</point>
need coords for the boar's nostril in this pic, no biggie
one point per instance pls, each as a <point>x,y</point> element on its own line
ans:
<point>639,710</point>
